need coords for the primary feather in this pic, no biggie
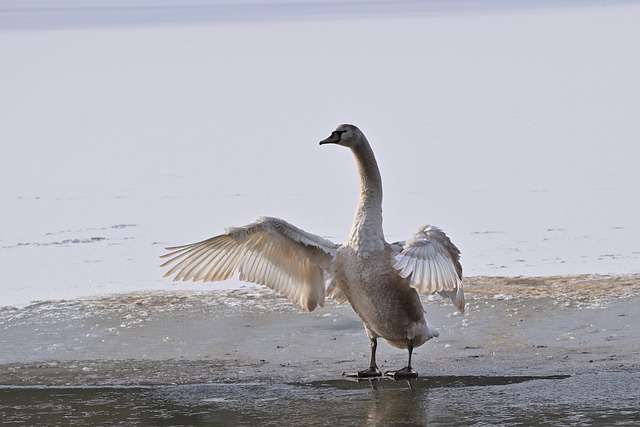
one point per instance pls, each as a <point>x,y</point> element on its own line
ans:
<point>270,252</point>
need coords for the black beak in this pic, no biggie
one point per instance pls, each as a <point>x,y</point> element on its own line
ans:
<point>334,138</point>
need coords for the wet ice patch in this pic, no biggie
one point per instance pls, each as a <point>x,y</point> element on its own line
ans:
<point>217,400</point>
<point>76,240</point>
<point>86,229</point>
<point>59,242</point>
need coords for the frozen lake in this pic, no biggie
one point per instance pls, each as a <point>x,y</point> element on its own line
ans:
<point>129,126</point>
<point>243,357</point>
<point>515,130</point>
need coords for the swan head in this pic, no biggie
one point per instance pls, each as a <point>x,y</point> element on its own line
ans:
<point>345,135</point>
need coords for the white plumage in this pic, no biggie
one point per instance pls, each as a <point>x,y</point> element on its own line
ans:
<point>432,264</point>
<point>379,280</point>
<point>270,252</point>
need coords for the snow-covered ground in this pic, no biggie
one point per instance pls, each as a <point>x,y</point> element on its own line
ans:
<point>515,130</point>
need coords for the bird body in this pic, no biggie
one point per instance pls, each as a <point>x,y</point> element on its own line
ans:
<point>380,280</point>
<point>387,305</point>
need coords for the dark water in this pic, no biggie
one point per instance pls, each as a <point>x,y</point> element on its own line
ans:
<point>596,399</point>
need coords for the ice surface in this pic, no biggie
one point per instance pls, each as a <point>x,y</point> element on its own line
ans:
<point>521,143</point>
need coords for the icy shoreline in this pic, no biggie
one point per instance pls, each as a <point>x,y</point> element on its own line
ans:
<point>238,357</point>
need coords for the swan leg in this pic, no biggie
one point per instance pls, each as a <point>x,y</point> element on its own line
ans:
<point>406,372</point>
<point>372,371</point>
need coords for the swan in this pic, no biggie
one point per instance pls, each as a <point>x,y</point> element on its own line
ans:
<point>382,281</point>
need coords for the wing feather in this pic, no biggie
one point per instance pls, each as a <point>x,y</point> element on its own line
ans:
<point>269,252</point>
<point>431,262</point>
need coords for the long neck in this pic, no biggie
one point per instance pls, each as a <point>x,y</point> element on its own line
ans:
<point>367,223</point>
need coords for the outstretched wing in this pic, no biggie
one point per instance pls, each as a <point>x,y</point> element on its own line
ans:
<point>431,263</point>
<point>270,252</point>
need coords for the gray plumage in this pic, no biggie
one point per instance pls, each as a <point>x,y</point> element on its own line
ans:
<point>380,280</point>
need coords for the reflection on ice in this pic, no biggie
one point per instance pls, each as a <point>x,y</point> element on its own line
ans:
<point>426,382</point>
<point>463,400</point>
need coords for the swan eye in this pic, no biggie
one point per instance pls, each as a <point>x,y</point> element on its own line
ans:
<point>338,133</point>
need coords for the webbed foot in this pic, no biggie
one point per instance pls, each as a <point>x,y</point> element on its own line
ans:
<point>403,373</point>
<point>365,373</point>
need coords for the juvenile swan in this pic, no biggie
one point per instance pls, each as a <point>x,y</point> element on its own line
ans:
<point>380,280</point>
